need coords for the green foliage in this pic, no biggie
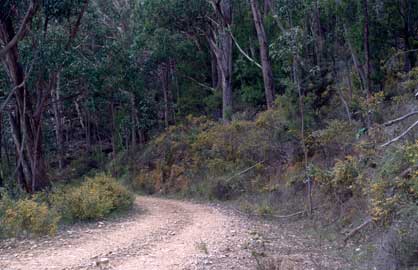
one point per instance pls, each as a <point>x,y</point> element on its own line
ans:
<point>396,184</point>
<point>41,213</point>
<point>343,181</point>
<point>204,157</point>
<point>93,199</point>
<point>27,217</point>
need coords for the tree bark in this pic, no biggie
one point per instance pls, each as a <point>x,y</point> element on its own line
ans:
<point>214,71</point>
<point>26,123</point>
<point>269,87</point>
<point>221,44</point>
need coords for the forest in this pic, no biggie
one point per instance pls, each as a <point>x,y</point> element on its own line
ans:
<point>300,109</point>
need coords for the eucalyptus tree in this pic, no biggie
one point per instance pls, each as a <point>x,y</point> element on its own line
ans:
<point>268,77</point>
<point>28,96</point>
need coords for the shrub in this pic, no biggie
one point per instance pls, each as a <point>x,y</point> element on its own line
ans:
<point>27,217</point>
<point>396,184</point>
<point>343,180</point>
<point>338,137</point>
<point>95,198</point>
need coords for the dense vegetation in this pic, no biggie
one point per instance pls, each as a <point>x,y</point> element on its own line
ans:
<point>277,104</point>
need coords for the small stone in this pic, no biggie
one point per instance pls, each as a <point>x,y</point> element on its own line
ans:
<point>102,262</point>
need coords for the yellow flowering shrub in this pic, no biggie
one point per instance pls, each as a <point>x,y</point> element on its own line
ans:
<point>398,184</point>
<point>95,198</point>
<point>27,217</point>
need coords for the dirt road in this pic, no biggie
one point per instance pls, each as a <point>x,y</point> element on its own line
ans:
<point>163,234</point>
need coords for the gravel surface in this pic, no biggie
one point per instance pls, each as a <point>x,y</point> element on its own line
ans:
<point>165,234</point>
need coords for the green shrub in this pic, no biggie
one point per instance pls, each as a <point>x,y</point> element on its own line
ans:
<point>95,198</point>
<point>343,181</point>
<point>396,184</point>
<point>27,217</point>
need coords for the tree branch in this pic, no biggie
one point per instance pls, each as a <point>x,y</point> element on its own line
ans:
<point>77,25</point>
<point>33,7</point>
<point>401,136</point>
<point>358,228</point>
<point>242,51</point>
<point>392,122</point>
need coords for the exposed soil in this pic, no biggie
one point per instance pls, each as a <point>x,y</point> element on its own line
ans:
<point>166,234</point>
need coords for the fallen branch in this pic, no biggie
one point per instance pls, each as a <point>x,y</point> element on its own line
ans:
<point>400,136</point>
<point>392,122</point>
<point>357,229</point>
<point>244,171</point>
<point>300,213</point>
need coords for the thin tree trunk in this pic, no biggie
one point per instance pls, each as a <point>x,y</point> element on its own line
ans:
<point>113,127</point>
<point>404,9</point>
<point>318,33</point>
<point>57,110</point>
<point>269,87</point>
<point>367,60</point>
<point>302,131</point>
<point>167,94</point>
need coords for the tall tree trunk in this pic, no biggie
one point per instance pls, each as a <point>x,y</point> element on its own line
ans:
<point>226,52</point>
<point>367,60</point>
<point>269,87</point>
<point>221,44</point>
<point>26,123</point>
<point>227,79</point>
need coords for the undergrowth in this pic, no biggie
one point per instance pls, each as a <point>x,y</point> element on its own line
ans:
<point>41,213</point>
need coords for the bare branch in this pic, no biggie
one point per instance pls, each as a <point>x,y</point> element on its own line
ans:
<point>358,228</point>
<point>199,83</point>
<point>401,136</point>
<point>392,122</point>
<point>242,51</point>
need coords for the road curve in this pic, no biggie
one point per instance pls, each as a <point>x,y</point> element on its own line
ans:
<point>161,234</point>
